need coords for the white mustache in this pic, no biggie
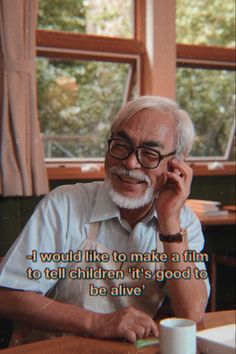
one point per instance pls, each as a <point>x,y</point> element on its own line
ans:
<point>140,176</point>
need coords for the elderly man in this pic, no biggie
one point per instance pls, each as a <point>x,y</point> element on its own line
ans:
<point>133,229</point>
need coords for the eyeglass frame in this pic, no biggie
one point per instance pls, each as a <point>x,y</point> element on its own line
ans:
<point>136,150</point>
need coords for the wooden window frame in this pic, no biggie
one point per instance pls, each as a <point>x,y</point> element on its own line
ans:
<point>205,57</point>
<point>95,171</point>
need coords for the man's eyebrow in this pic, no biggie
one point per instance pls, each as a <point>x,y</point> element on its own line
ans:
<point>150,143</point>
<point>125,136</point>
<point>153,143</point>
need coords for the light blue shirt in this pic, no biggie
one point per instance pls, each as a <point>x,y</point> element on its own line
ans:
<point>61,222</point>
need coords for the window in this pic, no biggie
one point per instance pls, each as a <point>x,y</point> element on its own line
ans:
<point>205,80</point>
<point>211,102</point>
<point>84,79</point>
<point>77,101</point>
<point>94,55</point>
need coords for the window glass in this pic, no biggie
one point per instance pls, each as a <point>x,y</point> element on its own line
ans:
<point>77,100</point>
<point>206,22</point>
<point>208,95</point>
<point>99,17</point>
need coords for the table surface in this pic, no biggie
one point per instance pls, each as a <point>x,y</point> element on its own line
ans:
<point>79,344</point>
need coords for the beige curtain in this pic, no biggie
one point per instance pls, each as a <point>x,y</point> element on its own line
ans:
<point>22,168</point>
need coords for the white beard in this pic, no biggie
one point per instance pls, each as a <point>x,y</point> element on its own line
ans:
<point>127,202</point>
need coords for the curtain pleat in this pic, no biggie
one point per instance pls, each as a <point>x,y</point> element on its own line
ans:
<point>22,167</point>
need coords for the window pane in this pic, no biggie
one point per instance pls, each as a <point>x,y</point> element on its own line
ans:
<point>100,17</point>
<point>77,100</point>
<point>207,22</point>
<point>208,95</point>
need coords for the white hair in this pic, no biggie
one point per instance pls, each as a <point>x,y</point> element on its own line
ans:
<point>184,126</point>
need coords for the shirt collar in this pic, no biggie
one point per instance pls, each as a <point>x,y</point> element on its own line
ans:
<point>152,214</point>
<point>105,209</point>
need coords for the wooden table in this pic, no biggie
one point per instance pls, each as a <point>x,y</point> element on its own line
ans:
<point>78,344</point>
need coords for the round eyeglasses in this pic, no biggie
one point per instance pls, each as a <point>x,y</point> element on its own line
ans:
<point>146,156</point>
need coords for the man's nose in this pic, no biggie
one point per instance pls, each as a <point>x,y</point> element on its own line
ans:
<point>132,161</point>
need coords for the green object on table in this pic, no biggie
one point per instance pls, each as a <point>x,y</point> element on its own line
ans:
<point>140,343</point>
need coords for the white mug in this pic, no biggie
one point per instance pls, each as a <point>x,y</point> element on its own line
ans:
<point>178,336</point>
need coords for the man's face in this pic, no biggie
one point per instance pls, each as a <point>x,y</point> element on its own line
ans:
<point>154,130</point>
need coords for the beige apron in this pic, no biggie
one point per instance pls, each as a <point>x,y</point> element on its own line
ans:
<point>77,291</point>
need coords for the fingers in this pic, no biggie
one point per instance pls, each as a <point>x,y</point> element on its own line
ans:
<point>140,325</point>
<point>154,329</point>
<point>180,175</point>
<point>144,329</point>
<point>130,336</point>
<point>128,323</point>
<point>146,322</point>
<point>181,169</point>
<point>139,331</point>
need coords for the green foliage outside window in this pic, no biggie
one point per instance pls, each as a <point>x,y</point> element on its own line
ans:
<point>100,17</point>
<point>205,22</point>
<point>77,101</point>
<point>208,97</point>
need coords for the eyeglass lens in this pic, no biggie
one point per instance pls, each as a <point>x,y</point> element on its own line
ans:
<point>146,156</point>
